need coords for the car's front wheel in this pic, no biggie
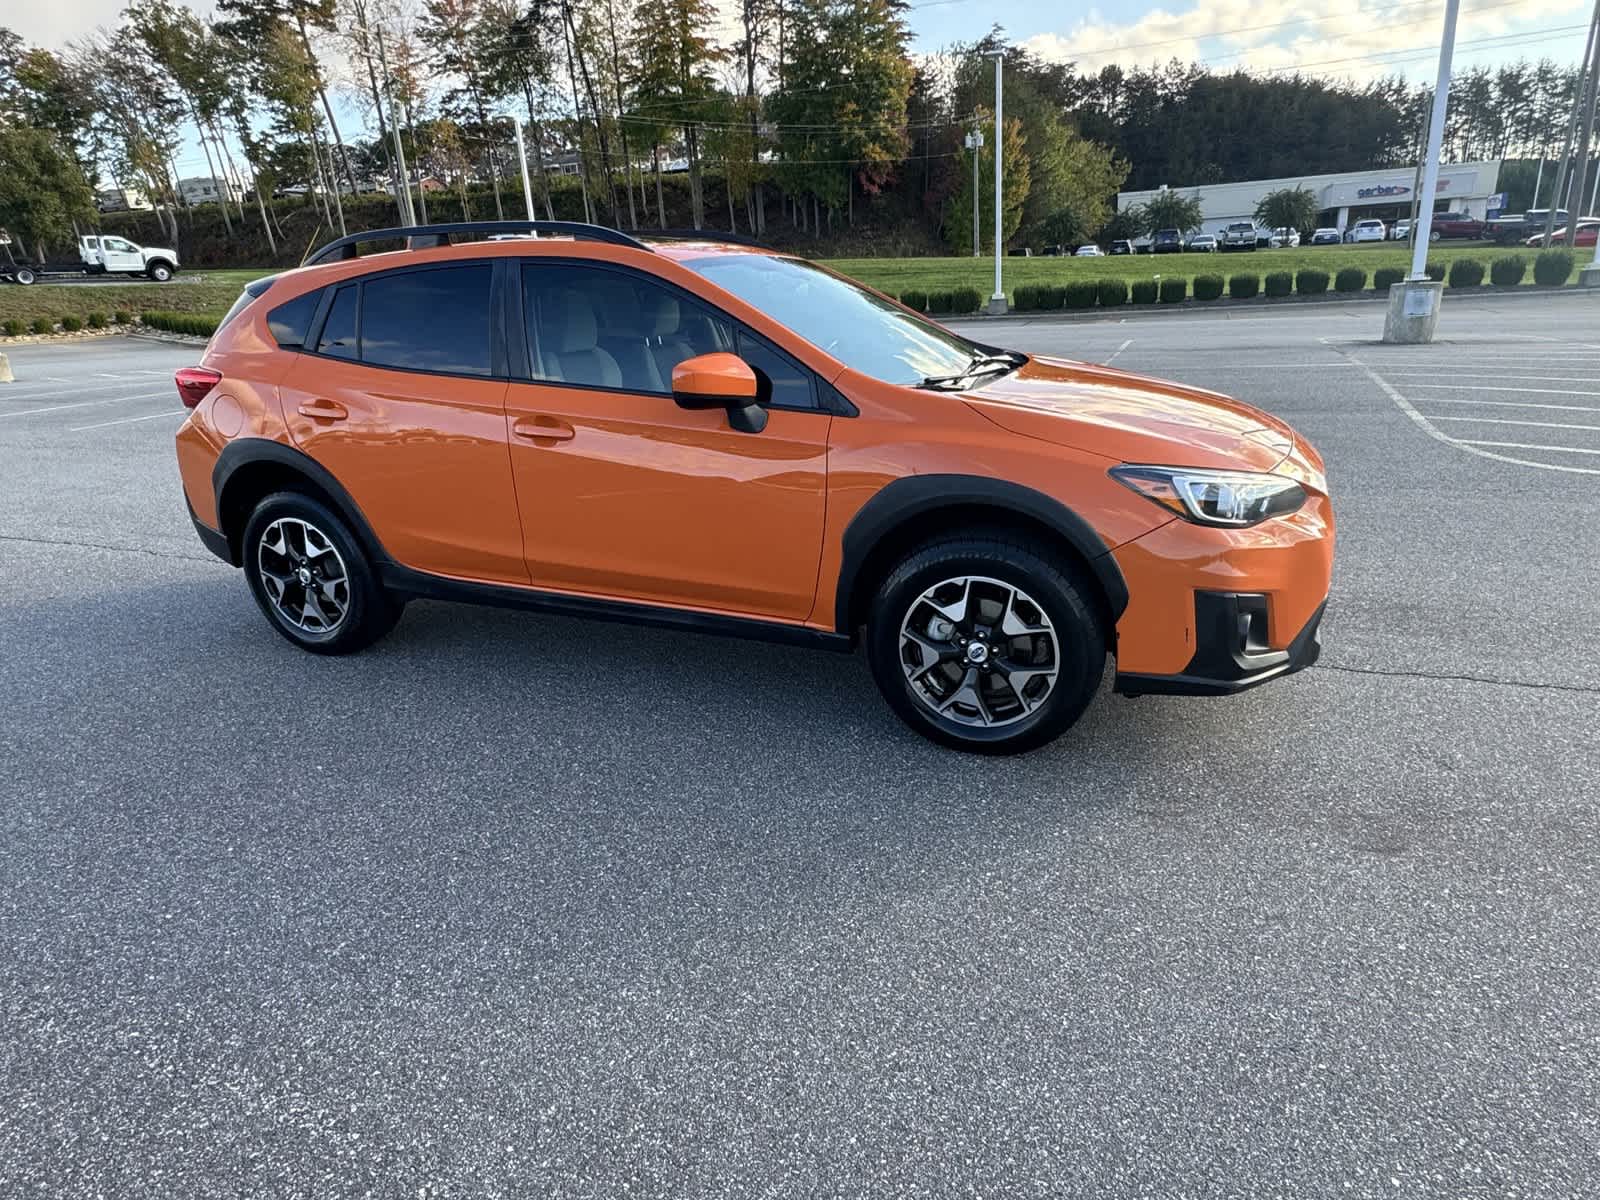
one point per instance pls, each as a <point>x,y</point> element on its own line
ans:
<point>159,271</point>
<point>986,642</point>
<point>312,579</point>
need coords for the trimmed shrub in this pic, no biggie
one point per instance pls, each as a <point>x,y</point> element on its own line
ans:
<point>1112,292</point>
<point>1311,281</point>
<point>1244,286</point>
<point>1174,289</point>
<point>939,303</point>
<point>43,325</point>
<point>917,300</point>
<point>71,324</point>
<point>1033,297</point>
<point>1508,271</point>
<point>1081,293</point>
<point>966,300</point>
<point>194,324</point>
<point>1465,273</point>
<point>1553,267</point>
<point>1385,278</point>
<point>1143,291</point>
<point>1279,283</point>
<point>1208,287</point>
<point>15,328</point>
<point>97,320</point>
<point>122,316</point>
<point>1435,270</point>
<point>1350,279</point>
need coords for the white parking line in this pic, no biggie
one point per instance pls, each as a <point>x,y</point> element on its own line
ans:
<point>1117,351</point>
<point>1512,375</point>
<point>1507,404</point>
<point>28,412</point>
<point>1528,446</point>
<point>1486,387</point>
<point>26,394</point>
<point>1507,421</point>
<point>126,421</point>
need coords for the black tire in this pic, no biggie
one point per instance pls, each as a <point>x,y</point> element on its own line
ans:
<point>369,612</point>
<point>1056,587</point>
<point>159,271</point>
<point>25,276</point>
<point>1434,235</point>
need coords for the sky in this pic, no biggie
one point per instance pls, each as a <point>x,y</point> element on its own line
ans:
<point>1350,39</point>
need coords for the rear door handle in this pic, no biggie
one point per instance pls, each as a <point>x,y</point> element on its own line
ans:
<point>543,429</point>
<point>323,410</point>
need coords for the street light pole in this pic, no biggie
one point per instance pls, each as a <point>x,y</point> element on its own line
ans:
<point>997,302</point>
<point>975,144</point>
<point>1414,302</point>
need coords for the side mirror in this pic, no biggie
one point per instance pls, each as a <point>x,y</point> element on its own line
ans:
<point>720,380</point>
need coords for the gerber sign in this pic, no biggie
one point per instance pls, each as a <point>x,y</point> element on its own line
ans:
<point>1388,189</point>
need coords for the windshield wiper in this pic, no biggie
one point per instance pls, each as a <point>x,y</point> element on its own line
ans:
<point>981,364</point>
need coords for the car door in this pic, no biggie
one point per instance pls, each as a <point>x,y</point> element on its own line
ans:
<point>626,495</point>
<point>120,254</point>
<point>401,395</point>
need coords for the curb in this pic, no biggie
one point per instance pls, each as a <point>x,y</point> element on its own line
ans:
<point>29,339</point>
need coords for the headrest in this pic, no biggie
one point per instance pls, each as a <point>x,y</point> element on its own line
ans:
<point>661,308</point>
<point>571,324</point>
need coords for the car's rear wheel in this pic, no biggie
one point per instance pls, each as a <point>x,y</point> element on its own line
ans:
<point>311,578</point>
<point>986,642</point>
<point>24,276</point>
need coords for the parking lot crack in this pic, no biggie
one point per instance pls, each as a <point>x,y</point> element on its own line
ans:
<point>34,541</point>
<point>1443,676</point>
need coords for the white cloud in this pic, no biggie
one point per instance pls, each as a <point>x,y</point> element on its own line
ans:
<point>1323,40</point>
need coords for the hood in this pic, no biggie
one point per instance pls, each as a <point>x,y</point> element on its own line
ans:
<point>1131,418</point>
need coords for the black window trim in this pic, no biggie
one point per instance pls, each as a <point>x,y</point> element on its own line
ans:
<point>827,397</point>
<point>497,363</point>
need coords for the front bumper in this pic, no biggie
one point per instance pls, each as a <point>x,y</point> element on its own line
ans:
<point>1231,650</point>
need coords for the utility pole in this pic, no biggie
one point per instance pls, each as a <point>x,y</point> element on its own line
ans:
<point>522,161</point>
<point>1585,78</point>
<point>975,144</point>
<point>997,302</point>
<point>1580,172</point>
<point>1414,303</point>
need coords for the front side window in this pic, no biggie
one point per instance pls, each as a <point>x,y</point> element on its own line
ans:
<point>605,329</point>
<point>436,320</point>
<point>117,244</point>
<point>861,329</point>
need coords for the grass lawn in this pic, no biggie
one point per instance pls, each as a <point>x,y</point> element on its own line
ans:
<point>895,275</point>
<point>205,292</point>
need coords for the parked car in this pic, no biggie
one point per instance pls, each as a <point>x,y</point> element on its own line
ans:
<point>716,437</point>
<point>1166,241</point>
<point>1370,230</point>
<point>1089,250</point>
<point>1122,246</point>
<point>1585,234</point>
<point>1203,243</point>
<point>1239,235</point>
<point>1401,230</point>
<point>1455,225</point>
<point>1520,226</point>
<point>1283,238</point>
<point>1327,235</point>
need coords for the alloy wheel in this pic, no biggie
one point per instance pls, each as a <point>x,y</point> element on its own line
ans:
<point>979,651</point>
<point>303,575</point>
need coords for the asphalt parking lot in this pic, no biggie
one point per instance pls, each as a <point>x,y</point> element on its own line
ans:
<point>515,905</point>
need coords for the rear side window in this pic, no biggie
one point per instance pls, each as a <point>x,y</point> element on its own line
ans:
<point>434,320</point>
<point>339,330</point>
<point>291,321</point>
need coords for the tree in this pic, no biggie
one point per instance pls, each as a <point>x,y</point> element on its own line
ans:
<point>1168,209</point>
<point>1131,222</point>
<point>1017,180</point>
<point>42,189</point>
<point>1288,208</point>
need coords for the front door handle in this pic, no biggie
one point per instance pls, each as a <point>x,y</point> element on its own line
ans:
<point>543,429</point>
<point>323,410</point>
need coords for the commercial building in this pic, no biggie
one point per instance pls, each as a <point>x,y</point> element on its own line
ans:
<point>121,200</point>
<point>1342,200</point>
<point>203,189</point>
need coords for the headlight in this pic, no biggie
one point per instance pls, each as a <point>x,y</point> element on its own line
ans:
<point>1231,498</point>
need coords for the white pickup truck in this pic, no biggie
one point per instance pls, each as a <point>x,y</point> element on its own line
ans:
<point>99,254</point>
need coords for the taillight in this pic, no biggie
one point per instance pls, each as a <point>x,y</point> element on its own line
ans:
<point>194,383</point>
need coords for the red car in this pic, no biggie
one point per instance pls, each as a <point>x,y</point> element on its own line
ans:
<point>1585,235</point>
<point>1456,225</point>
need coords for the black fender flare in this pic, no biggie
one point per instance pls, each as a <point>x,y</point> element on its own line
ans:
<point>917,495</point>
<point>248,451</point>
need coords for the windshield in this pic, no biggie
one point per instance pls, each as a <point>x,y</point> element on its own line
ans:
<point>860,329</point>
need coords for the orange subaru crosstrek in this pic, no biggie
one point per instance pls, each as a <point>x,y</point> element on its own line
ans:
<point>721,438</point>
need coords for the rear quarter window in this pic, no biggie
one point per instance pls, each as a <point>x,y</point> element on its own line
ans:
<point>290,322</point>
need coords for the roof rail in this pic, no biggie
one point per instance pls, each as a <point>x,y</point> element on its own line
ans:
<point>703,235</point>
<point>424,237</point>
